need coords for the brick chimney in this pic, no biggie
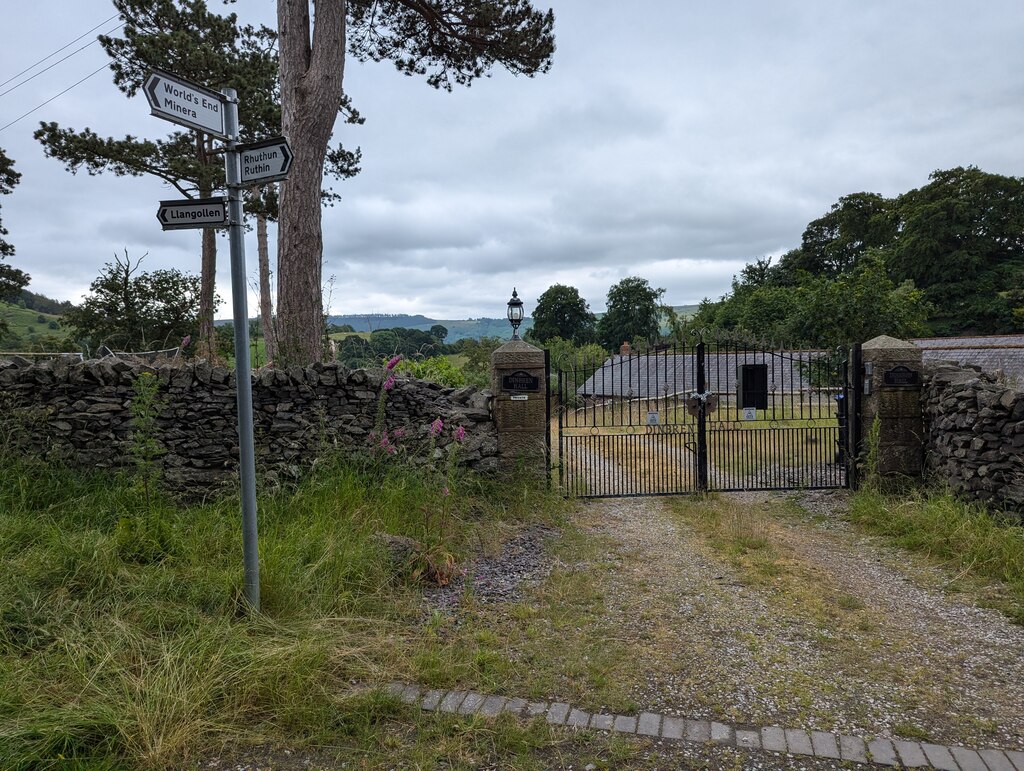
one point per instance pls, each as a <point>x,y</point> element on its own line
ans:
<point>625,350</point>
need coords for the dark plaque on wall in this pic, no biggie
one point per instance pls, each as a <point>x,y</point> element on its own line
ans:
<point>901,376</point>
<point>520,380</point>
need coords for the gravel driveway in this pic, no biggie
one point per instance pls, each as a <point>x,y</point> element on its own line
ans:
<point>859,639</point>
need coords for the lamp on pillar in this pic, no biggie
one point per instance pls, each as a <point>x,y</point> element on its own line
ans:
<point>515,313</point>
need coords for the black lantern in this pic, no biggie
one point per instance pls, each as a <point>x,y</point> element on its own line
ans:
<point>515,313</point>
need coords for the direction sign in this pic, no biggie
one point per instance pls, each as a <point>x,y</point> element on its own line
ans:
<point>192,213</point>
<point>186,104</point>
<point>266,161</point>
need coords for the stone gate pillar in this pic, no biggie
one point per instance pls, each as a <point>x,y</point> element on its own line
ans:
<point>518,381</point>
<point>891,388</point>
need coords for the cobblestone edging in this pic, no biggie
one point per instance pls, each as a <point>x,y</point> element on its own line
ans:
<point>795,741</point>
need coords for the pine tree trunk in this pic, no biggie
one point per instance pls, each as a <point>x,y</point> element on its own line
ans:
<point>311,74</point>
<point>207,346</point>
<point>207,289</point>
<point>266,302</point>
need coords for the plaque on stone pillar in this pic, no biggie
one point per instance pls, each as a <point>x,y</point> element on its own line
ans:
<point>520,381</point>
<point>901,376</point>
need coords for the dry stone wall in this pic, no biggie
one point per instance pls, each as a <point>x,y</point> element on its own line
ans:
<point>974,434</point>
<point>80,413</point>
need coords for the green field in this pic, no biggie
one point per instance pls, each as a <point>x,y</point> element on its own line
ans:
<point>26,323</point>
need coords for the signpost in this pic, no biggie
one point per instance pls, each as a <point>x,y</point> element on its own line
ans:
<point>266,161</point>
<point>190,213</point>
<point>187,104</point>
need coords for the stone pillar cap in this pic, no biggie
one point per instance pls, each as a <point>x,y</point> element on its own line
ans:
<point>517,346</point>
<point>888,343</point>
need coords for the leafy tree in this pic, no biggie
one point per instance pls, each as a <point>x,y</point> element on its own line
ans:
<point>129,310</point>
<point>561,312</point>
<point>855,307</point>
<point>824,312</point>
<point>439,331</point>
<point>962,242</point>
<point>12,280</point>
<point>576,363</point>
<point>832,244</point>
<point>449,41</point>
<point>632,315</point>
<point>477,352</point>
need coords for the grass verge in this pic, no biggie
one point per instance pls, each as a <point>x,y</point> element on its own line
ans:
<point>123,642</point>
<point>963,537</point>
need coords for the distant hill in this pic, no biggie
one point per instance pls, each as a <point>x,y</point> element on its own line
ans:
<point>457,328</point>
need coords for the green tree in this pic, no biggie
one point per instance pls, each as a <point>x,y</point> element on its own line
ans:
<point>12,280</point>
<point>183,37</point>
<point>450,41</point>
<point>632,315</point>
<point>561,312</point>
<point>477,352</point>
<point>855,307</point>
<point>832,244</point>
<point>439,331</point>
<point>962,242</point>
<point>129,310</point>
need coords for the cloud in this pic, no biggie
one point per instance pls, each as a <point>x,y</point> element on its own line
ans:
<point>675,143</point>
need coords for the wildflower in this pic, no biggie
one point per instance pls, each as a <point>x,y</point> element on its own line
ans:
<point>389,383</point>
<point>460,434</point>
<point>393,363</point>
<point>445,491</point>
<point>398,433</point>
<point>436,427</point>
<point>391,449</point>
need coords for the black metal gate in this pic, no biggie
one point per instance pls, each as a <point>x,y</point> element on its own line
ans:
<point>713,416</point>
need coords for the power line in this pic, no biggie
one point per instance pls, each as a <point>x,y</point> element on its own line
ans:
<point>3,128</point>
<point>48,56</point>
<point>26,80</point>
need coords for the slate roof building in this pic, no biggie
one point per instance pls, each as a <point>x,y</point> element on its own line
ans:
<point>669,373</point>
<point>993,353</point>
<point>664,374</point>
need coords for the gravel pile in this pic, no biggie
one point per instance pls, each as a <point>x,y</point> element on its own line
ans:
<point>522,564</point>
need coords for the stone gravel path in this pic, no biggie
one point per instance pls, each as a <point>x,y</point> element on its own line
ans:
<point>886,651</point>
<point>869,658</point>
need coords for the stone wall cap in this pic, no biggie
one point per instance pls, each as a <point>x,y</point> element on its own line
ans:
<point>886,342</point>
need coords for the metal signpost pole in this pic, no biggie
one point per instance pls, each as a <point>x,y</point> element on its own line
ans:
<point>243,370</point>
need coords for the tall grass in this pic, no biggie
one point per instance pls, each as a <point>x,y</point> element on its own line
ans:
<point>964,536</point>
<point>118,652</point>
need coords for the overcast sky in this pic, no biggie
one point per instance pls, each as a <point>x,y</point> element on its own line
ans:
<point>672,140</point>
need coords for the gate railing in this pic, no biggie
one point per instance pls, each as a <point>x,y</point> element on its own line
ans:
<point>719,416</point>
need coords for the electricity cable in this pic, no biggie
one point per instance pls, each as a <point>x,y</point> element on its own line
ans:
<point>18,75</point>
<point>31,77</point>
<point>80,82</point>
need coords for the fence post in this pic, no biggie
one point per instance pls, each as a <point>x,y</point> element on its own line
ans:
<point>854,395</point>
<point>702,422</point>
